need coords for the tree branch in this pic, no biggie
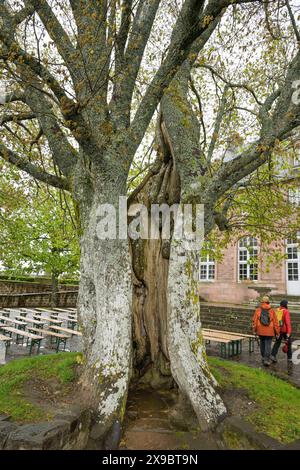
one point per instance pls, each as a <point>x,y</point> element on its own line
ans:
<point>16,117</point>
<point>231,84</point>
<point>217,126</point>
<point>57,34</point>
<point>293,21</point>
<point>128,68</point>
<point>33,170</point>
<point>193,24</point>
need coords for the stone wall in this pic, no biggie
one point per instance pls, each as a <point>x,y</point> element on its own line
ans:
<point>41,299</point>
<point>68,430</point>
<point>236,319</point>
<point>21,287</point>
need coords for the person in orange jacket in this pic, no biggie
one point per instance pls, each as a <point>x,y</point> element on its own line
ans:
<point>285,331</point>
<point>265,325</point>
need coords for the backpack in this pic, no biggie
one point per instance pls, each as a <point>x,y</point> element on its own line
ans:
<point>265,318</point>
<point>279,315</point>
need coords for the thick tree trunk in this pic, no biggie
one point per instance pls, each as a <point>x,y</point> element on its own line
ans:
<point>104,307</point>
<point>185,342</point>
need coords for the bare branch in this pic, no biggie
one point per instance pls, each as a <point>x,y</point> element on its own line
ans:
<point>57,34</point>
<point>217,126</point>
<point>293,21</point>
<point>244,86</point>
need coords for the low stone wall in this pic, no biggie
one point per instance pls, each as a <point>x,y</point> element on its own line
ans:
<point>238,434</point>
<point>21,287</point>
<point>68,430</point>
<point>41,299</point>
<point>235,318</point>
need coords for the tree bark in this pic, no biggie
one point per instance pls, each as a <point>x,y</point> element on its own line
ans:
<point>104,307</point>
<point>54,290</point>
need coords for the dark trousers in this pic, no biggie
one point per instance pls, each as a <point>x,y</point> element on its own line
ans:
<point>265,346</point>
<point>278,343</point>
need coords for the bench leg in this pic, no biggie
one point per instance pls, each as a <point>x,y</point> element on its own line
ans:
<point>2,352</point>
<point>58,341</point>
<point>251,345</point>
<point>223,350</point>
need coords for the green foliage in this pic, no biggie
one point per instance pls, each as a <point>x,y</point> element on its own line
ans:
<point>16,374</point>
<point>38,232</point>
<point>278,412</point>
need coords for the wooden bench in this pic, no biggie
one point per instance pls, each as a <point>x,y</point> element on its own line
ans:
<point>20,324</point>
<point>228,347</point>
<point>236,340</point>
<point>5,312</point>
<point>5,338</point>
<point>46,310</point>
<point>35,339</point>
<point>66,310</point>
<point>251,338</point>
<point>31,320</point>
<point>65,330</point>
<point>4,343</point>
<point>48,319</point>
<point>60,338</point>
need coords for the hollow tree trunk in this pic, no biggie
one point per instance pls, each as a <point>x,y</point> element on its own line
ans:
<point>168,343</point>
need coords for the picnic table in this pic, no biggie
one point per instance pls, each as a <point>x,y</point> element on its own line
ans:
<point>230,345</point>
<point>250,337</point>
<point>34,339</point>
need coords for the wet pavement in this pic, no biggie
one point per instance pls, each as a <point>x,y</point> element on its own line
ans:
<point>148,425</point>
<point>254,360</point>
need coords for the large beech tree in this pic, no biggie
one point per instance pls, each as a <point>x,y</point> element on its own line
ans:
<point>76,69</point>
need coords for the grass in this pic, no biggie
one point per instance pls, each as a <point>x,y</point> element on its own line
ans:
<point>278,411</point>
<point>278,403</point>
<point>15,374</point>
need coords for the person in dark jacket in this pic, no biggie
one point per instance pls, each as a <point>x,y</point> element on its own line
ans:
<point>284,318</point>
<point>265,325</point>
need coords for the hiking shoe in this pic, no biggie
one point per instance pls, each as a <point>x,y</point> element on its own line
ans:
<point>267,362</point>
<point>273,359</point>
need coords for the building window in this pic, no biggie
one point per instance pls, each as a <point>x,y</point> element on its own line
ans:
<point>294,196</point>
<point>292,248</point>
<point>247,259</point>
<point>207,267</point>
